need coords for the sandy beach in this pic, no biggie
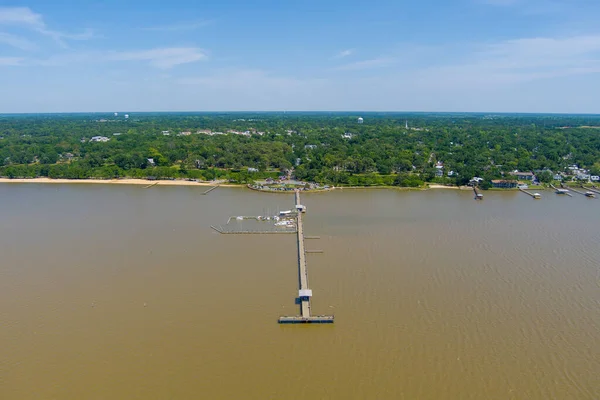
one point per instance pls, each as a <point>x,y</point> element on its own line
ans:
<point>143,182</point>
<point>434,186</point>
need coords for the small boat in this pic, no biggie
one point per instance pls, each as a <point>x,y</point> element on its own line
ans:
<point>537,196</point>
<point>284,223</point>
<point>590,194</point>
<point>239,218</point>
<point>562,191</point>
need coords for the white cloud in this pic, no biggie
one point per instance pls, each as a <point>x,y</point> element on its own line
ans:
<point>183,26</point>
<point>16,41</point>
<point>241,89</point>
<point>21,16</point>
<point>533,58</point>
<point>163,58</point>
<point>499,2</point>
<point>344,53</point>
<point>25,17</point>
<point>10,61</point>
<point>366,64</point>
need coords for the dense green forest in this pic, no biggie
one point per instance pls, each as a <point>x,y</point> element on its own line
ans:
<point>323,147</point>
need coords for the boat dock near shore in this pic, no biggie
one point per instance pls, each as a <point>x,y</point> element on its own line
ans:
<point>593,189</point>
<point>589,193</point>
<point>561,190</point>
<point>210,190</point>
<point>535,196</point>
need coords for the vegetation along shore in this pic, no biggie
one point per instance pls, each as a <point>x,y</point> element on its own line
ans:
<point>326,149</point>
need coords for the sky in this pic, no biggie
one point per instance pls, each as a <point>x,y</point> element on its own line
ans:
<point>310,55</point>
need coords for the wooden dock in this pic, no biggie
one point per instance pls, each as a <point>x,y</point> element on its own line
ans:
<point>591,194</point>
<point>249,232</point>
<point>536,196</point>
<point>304,294</point>
<point>561,190</point>
<point>150,185</point>
<point>211,189</point>
<point>592,189</point>
<point>478,196</point>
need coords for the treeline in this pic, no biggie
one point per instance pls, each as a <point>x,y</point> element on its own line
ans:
<point>323,147</point>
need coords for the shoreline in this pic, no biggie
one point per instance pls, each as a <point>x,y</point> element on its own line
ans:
<point>126,181</point>
<point>180,182</point>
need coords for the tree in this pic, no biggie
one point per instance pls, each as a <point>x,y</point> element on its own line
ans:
<point>545,177</point>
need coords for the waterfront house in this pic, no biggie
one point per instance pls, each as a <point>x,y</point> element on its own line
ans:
<point>103,139</point>
<point>523,176</point>
<point>475,181</point>
<point>503,184</point>
<point>595,178</point>
<point>582,176</point>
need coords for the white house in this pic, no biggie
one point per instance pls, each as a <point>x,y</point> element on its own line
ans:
<point>595,178</point>
<point>582,176</point>
<point>99,139</point>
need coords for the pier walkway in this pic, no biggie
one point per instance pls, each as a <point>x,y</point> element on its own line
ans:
<point>534,195</point>
<point>210,190</point>
<point>304,294</point>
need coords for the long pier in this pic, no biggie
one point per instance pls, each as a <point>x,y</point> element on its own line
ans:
<point>534,195</point>
<point>211,189</point>
<point>595,190</point>
<point>561,190</point>
<point>304,294</point>
<point>478,196</point>
<point>589,194</point>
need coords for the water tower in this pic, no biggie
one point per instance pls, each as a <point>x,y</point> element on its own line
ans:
<point>360,120</point>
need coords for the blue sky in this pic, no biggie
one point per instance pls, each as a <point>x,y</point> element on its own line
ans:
<point>381,55</point>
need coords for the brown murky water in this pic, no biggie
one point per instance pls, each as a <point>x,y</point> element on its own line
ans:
<point>123,293</point>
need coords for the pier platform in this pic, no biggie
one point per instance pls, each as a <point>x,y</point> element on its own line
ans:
<point>322,319</point>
